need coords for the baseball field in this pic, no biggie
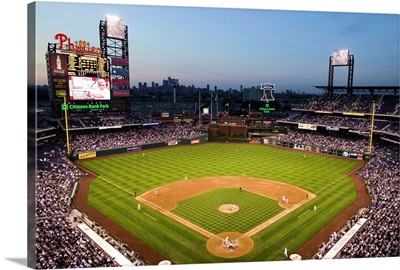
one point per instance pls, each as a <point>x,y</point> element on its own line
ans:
<point>193,198</point>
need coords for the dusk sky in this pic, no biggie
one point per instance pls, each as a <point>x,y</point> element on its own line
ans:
<point>228,47</point>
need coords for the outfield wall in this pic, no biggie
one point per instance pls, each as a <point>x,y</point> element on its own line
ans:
<point>130,149</point>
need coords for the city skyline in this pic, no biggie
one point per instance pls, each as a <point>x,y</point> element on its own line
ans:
<point>230,47</point>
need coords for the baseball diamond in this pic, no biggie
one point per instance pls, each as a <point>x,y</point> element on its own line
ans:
<point>174,193</point>
<point>200,210</point>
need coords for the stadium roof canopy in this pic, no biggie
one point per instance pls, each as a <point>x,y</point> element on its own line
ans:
<point>350,90</point>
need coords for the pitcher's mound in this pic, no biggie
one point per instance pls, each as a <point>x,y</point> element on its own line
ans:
<point>216,245</point>
<point>228,208</point>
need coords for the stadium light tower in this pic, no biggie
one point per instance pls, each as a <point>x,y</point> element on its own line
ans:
<point>114,43</point>
<point>340,58</point>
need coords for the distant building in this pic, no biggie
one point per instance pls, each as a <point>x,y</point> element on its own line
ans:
<point>252,94</point>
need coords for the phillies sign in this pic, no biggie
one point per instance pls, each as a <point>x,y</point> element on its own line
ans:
<point>78,47</point>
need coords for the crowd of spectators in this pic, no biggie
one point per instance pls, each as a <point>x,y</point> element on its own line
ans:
<point>60,244</point>
<point>345,143</point>
<point>379,236</point>
<point>335,121</point>
<point>99,120</point>
<point>101,140</point>
<point>384,104</point>
<point>345,122</point>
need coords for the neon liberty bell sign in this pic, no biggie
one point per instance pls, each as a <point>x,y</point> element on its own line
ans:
<point>268,95</point>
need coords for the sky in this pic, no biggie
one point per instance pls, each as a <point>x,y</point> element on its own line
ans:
<point>232,47</point>
<point>13,109</point>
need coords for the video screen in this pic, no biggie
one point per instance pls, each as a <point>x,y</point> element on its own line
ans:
<point>115,27</point>
<point>89,88</point>
<point>340,58</point>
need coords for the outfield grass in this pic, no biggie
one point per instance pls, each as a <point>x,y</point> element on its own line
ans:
<point>121,176</point>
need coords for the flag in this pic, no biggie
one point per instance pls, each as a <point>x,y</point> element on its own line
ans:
<point>227,105</point>
<point>216,97</point>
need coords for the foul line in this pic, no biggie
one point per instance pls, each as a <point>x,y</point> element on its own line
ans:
<point>304,213</point>
<point>149,216</point>
<point>105,180</point>
<point>334,182</point>
<point>337,180</point>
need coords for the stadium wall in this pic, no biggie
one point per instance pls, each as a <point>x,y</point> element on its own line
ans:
<point>123,150</point>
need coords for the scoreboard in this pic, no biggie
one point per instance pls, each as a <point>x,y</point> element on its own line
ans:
<point>63,67</point>
<point>79,71</point>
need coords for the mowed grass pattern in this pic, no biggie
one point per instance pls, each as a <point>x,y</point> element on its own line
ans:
<point>203,210</point>
<point>120,176</point>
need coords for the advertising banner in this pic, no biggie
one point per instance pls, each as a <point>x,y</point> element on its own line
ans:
<point>307,126</point>
<point>87,155</point>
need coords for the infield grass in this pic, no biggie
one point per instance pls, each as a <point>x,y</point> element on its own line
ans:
<point>203,210</point>
<point>120,176</point>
